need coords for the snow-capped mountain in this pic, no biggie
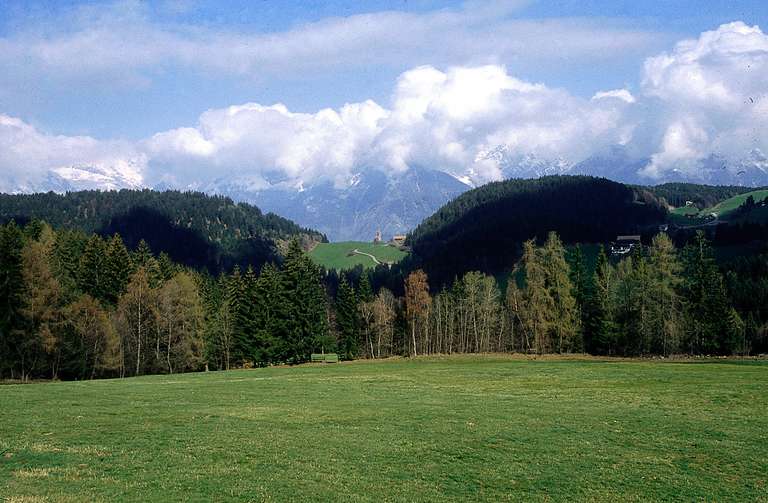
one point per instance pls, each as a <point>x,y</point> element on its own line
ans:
<point>529,165</point>
<point>370,201</point>
<point>396,202</point>
<point>119,175</point>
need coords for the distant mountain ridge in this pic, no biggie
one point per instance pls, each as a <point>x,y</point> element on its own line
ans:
<point>371,201</point>
<point>396,203</point>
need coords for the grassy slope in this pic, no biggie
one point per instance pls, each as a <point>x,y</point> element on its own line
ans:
<point>460,428</point>
<point>722,209</point>
<point>335,255</point>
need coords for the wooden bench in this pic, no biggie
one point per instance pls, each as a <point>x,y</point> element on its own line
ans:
<point>324,358</point>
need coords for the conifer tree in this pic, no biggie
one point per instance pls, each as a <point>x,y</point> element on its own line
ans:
<point>347,318</point>
<point>92,270</point>
<point>602,321</point>
<point>306,302</point>
<point>564,318</point>
<point>118,268</point>
<point>538,304</point>
<point>271,313</point>
<point>583,292</point>
<point>666,303</point>
<point>707,307</point>
<point>11,288</point>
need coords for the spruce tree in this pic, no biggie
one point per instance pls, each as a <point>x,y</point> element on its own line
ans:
<point>118,268</point>
<point>92,270</point>
<point>347,318</point>
<point>306,305</point>
<point>602,321</point>
<point>11,288</point>
<point>706,302</point>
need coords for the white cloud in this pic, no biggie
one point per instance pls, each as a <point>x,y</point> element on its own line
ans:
<point>706,97</point>
<point>125,43</point>
<point>28,155</point>
<point>620,94</point>
<point>710,93</point>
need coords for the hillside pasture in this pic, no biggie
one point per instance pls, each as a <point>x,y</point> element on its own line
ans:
<point>480,428</point>
<point>690,215</point>
<point>342,255</point>
<point>723,208</point>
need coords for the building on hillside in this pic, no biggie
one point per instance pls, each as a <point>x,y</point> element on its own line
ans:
<point>398,239</point>
<point>377,238</point>
<point>624,245</point>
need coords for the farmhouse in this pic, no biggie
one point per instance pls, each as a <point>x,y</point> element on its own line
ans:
<point>398,239</point>
<point>624,245</point>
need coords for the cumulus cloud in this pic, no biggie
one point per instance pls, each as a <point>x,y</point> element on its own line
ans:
<point>705,97</point>
<point>711,95</point>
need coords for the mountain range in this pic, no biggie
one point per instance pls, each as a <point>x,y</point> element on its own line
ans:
<point>396,203</point>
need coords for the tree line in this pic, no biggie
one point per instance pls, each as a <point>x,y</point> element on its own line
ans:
<point>74,306</point>
<point>79,306</point>
<point>660,300</point>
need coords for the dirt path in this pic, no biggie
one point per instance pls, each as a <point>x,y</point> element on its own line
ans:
<point>358,252</point>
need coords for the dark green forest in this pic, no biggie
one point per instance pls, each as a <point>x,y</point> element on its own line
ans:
<point>193,228</point>
<point>484,229</point>
<point>702,196</point>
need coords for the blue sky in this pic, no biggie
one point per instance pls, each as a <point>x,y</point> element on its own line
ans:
<point>115,101</point>
<point>183,92</point>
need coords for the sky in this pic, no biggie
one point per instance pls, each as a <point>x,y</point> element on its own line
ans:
<point>183,91</point>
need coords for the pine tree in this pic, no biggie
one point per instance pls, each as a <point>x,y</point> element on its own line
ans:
<point>602,321</point>
<point>237,303</point>
<point>118,268</point>
<point>347,318</point>
<point>11,288</point>
<point>92,270</point>
<point>583,292</point>
<point>271,314</point>
<point>306,305</point>
<point>366,313</point>
<point>706,302</point>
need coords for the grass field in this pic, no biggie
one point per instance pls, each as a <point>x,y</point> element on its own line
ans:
<point>454,428</point>
<point>722,209</point>
<point>339,255</point>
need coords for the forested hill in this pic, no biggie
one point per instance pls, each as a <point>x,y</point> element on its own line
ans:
<point>193,228</point>
<point>484,229</point>
<point>703,196</point>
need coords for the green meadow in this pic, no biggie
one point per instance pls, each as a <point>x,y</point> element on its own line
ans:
<point>341,255</point>
<point>464,428</point>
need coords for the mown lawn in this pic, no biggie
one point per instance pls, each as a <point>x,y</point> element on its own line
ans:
<point>339,255</point>
<point>436,429</point>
